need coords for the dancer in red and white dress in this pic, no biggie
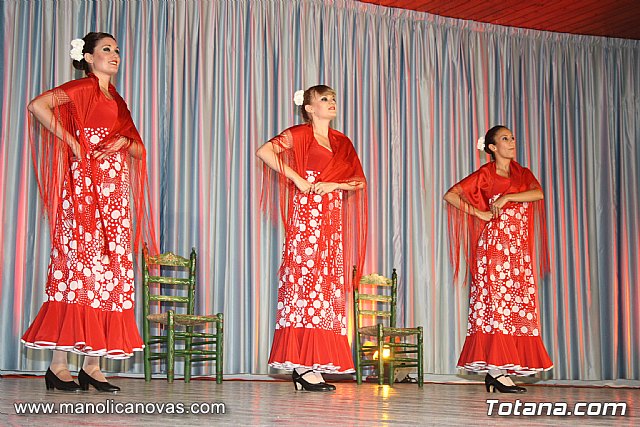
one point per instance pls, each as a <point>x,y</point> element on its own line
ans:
<point>89,158</point>
<point>496,214</point>
<point>323,201</point>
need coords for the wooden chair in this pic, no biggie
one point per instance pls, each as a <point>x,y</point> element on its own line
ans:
<point>172,300</point>
<point>374,302</point>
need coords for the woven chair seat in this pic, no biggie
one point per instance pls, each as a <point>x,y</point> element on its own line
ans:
<point>388,332</point>
<point>182,319</point>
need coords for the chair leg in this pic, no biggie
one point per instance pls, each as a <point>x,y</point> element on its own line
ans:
<point>171,347</point>
<point>391,370</point>
<point>380,356</point>
<point>391,367</point>
<point>358,360</point>
<point>420,359</point>
<point>147,362</point>
<point>219,349</point>
<point>187,355</point>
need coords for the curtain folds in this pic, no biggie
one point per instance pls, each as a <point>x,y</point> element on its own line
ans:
<point>207,82</point>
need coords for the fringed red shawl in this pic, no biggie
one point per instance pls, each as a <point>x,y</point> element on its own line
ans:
<point>344,167</point>
<point>74,102</point>
<point>475,191</point>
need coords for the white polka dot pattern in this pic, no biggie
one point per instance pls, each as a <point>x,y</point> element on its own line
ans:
<point>95,270</point>
<point>502,294</point>
<point>311,285</point>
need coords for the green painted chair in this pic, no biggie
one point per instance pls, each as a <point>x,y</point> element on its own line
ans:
<point>169,302</point>
<point>374,300</point>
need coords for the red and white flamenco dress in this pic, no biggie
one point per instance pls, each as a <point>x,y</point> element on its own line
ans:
<point>89,308</point>
<point>311,319</point>
<point>503,330</point>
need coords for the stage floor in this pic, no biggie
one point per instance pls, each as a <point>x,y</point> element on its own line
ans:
<point>276,403</point>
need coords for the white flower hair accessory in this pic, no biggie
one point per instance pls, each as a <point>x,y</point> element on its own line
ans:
<point>76,49</point>
<point>298,97</point>
<point>480,144</point>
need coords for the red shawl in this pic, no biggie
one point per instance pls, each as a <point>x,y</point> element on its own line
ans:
<point>74,102</point>
<point>475,191</point>
<point>344,167</point>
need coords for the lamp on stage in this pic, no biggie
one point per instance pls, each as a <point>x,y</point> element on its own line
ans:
<point>386,353</point>
<point>401,374</point>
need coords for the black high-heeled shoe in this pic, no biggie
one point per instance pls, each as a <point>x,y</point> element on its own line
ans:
<point>85,379</point>
<point>331,387</point>
<point>520,388</point>
<point>301,384</point>
<point>53,382</point>
<point>492,384</point>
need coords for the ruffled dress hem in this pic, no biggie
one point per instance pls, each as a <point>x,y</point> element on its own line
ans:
<point>481,367</point>
<point>81,349</point>
<point>84,330</point>
<point>318,349</point>
<point>324,369</point>
<point>521,355</point>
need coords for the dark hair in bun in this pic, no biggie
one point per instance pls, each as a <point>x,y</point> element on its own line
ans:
<point>490,137</point>
<point>90,42</point>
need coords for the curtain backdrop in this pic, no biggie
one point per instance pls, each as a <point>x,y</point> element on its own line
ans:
<point>207,82</point>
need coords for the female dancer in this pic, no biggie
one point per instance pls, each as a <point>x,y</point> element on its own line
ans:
<point>323,204</point>
<point>88,159</point>
<point>497,207</point>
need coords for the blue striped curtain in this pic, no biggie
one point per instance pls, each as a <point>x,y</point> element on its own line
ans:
<point>209,81</point>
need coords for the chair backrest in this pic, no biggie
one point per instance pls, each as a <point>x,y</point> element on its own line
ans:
<point>375,298</point>
<point>177,291</point>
